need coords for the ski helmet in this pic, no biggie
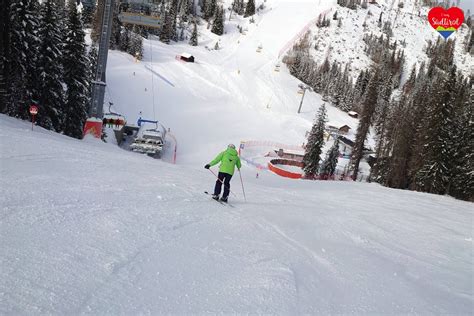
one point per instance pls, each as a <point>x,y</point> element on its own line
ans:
<point>231,146</point>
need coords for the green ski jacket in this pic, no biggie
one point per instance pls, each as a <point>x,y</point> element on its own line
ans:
<point>229,158</point>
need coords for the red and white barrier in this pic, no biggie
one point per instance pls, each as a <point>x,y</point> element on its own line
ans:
<point>273,166</point>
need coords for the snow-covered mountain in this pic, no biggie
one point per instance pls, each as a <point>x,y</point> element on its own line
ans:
<point>343,41</point>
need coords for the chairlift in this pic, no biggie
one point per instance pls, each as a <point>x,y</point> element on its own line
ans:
<point>138,13</point>
<point>140,19</point>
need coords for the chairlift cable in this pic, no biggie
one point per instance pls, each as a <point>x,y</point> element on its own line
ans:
<point>107,88</point>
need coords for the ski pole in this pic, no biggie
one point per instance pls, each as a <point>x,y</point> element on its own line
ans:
<point>241,182</point>
<point>222,182</point>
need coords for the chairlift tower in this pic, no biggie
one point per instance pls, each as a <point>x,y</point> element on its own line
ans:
<point>98,85</point>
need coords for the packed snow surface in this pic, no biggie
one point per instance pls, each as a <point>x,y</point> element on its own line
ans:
<point>88,228</point>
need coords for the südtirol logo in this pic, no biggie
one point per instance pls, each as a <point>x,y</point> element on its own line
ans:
<point>446,21</point>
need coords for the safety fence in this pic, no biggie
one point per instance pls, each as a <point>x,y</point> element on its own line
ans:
<point>257,143</point>
<point>272,165</point>
<point>263,144</point>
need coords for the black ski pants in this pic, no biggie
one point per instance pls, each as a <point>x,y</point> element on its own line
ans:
<point>225,177</point>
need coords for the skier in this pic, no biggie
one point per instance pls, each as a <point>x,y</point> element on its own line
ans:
<point>229,158</point>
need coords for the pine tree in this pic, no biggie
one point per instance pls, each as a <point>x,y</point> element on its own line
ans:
<point>368,111</point>
<point>218,26</point>
<point>51,98</point>
<point>22,80</point>
<point>5,25</point>
<point>173,12</point>
<point>75,74</point>
<point>125,41</point>
<point>92,58</point>
<point>193,41</point>
<point>167,29</point>
<point>97,21</point>
<point>314,145</point>
<point>328,167</point>
<point>250,8</point>
<point>211,6</point>
<point>402,138</point>
<point>434,175</point>
<point>203,5</point>
<point>115,36</point>
<point>241,8</point>
<point>462,181</point>
<point>136,44</point>
<point>88,13</point>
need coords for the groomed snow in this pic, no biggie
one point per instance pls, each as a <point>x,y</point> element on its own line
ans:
<point>87,228</point>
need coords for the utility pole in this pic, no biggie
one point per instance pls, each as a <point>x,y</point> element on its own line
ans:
<point>304,88</point>
<point>98,85</point>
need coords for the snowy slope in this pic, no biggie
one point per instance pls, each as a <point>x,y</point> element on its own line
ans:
<point>409,25</point>
<point>228,95</point>
<point>87,228</point>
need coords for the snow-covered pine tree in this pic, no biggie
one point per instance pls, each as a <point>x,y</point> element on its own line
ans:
<point>51,95</point>
<point>314,145</point>
<point>193,41</point>
<point>235,6</point>
<point>462,181</point>
<point>92,68</point>
<point>136,44</point>
<point>23,80</point>
<point>125,39</point>
<point>97,21</point>
<point>368,109</point>
<point>166,29</point>
<point>211,6</point>
<point>88,14</point>
<point>421,101</point>
<point>434,175</point>
<point>218,25</point>
<point>402,139</point>
<point>328,167</point>
<point>184,12</point>
<point>115,37</point>
<point>250,8</point>
<point>4,52</point>
<point>241,7</point>
<point>360,89</point>
<point>203,5</point>
<point>75,64</point>
<point>173,34</point>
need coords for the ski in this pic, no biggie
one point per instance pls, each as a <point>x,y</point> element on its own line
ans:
<point>219,201</point>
